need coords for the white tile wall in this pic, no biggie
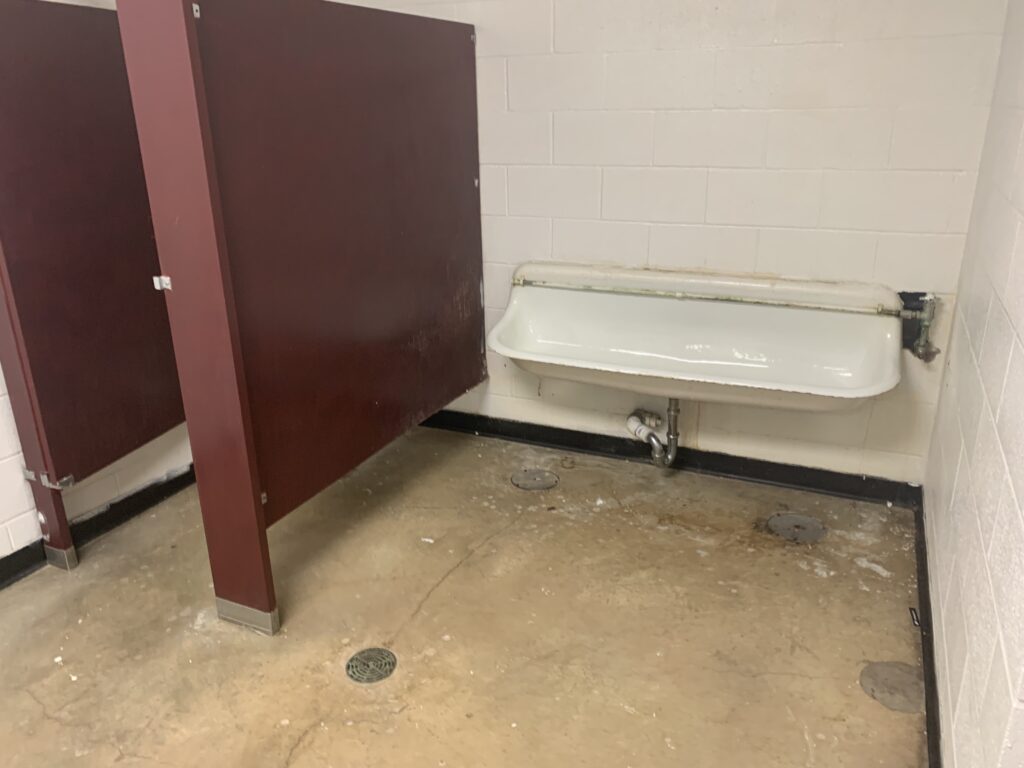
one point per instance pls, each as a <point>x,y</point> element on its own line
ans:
<point>18,525</point>
<point>976,531</point>
<point>808,138</point>
<point>603,138</point>
<point>769,197</point>
<point>660,79</point>
<point>600,241</point>
<point>710,138</point>
<point>938,137</point>
<point>654,194</point>
<point>893,201</point>
<point>560,192</point>
<point>732,249</point>
<point>544,83</point>
<point>829,138</point>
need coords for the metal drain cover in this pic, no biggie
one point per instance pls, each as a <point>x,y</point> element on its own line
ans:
<point>534,479</point>
<point>371,665</point>
<point>800,529</point>
<point>893,684</point>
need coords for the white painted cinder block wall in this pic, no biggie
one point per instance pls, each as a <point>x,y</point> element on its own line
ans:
<point>835,139</point>
<point>18,525</point>
<point>975,482</point>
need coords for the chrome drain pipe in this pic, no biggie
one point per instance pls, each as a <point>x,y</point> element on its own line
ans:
<point>641,425</point>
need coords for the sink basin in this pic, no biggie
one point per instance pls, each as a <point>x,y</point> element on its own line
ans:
<point>804,345</point>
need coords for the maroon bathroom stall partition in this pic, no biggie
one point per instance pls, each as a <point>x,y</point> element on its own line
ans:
<point>84,339</point>
<point>313,175</point>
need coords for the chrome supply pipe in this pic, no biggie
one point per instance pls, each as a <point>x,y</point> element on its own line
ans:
<point>641,425</point>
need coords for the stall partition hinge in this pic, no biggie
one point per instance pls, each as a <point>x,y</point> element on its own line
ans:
<point>195,10</point>
<point>162,282</point>
<point>44,480</point>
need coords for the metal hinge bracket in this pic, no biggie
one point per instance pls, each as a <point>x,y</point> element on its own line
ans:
<point>44,480</point>
<point>162,282</point>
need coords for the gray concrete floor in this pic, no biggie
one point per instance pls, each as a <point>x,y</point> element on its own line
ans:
<point>629,617</point>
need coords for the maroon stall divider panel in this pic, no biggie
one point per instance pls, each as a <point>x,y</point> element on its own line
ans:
<point>344,146</point>
<point>88,336</point>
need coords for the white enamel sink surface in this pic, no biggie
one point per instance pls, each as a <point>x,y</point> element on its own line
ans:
<point>787,343</point>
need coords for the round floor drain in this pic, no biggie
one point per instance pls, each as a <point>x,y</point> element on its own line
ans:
<point>534,479</point>
<point>800,529</point>
<point>371,665</point>
<point>893,684</point>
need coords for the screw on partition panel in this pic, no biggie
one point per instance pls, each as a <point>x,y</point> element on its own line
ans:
<point>195,10</point>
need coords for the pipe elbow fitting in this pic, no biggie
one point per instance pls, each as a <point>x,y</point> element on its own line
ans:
<point>663,454</point>
<point>637,428</point>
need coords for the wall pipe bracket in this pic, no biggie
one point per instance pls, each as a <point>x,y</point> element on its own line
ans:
<point>921,319</point>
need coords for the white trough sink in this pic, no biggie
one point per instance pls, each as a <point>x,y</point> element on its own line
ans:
<point>698,336</point>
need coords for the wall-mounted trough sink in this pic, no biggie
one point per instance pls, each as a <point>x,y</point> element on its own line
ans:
<point>706,337</point>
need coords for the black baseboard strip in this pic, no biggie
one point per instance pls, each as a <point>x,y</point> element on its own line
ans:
<point>20,564</point>
<point>924,607</point>
<point>860,487</point>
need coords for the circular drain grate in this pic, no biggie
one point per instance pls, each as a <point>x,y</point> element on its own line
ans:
<point>893,684</point>
<point>371,665</point>
<point>534,479</point>
<point>800,529</point>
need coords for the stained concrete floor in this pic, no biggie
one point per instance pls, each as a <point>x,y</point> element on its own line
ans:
<point>629,617</point>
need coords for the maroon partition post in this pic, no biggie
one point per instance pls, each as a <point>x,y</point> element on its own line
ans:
<point>313,175</point>
<point>84,339</point>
